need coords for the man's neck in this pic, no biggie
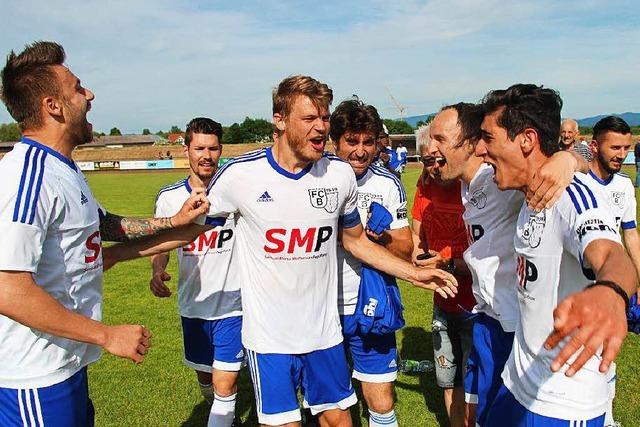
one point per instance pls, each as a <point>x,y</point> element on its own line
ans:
<point>598,170</point>
<point>286,158</point>
<point>471,169</point>
<point>196,182</point>
<point>54,139</point>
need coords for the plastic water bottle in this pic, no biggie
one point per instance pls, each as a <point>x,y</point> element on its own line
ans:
<point>409,366</point>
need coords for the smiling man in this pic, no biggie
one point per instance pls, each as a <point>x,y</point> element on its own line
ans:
<point>574,276</point>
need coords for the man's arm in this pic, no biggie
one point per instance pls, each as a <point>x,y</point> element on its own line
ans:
<point>399,241</point>
<point>435,260</point>
<point>22,300</point>
<point>553,178</point>
<point>595,317</point>
<point>159,275</point>
<point>632,243</point>
<point>358,244</point>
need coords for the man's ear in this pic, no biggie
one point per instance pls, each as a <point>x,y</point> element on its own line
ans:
<point>278,120</point>
<point>594,147</point>
<point>528,140</point>
<point>52,106</point>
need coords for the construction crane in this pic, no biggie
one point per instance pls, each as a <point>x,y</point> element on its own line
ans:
<point>399,106</point>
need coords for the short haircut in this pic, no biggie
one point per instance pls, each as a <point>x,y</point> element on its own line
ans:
<point>423,139</point>
<point>469,119</point>
<point>610,124</point>
<point>285,94</point>
<point>202,125</point>
<point>572,121</point>
<point>354,116</point>
<point>528,106</point>
<point>27,78</point>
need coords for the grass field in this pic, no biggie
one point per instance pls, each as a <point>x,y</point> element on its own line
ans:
<point>162,391</point>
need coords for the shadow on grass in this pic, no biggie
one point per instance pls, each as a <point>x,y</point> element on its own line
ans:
<point>418,345</point>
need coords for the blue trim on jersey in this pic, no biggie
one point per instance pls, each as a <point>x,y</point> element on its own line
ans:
<point>385,173</point>
<point>574,200</point>
<point>23,176</point>
<point>601,181</point>
<point>51,151</point>
<point>350,219</point>
<point>32,178</point>
<point>171,187</point>
<point>33,184</point>
<point>628,225</point>
<point>283,172</point>
<point>331,156</point>
<point>249,157</point>
<point>215,221</point>
<point>586,187</point>
<point>37,191</point>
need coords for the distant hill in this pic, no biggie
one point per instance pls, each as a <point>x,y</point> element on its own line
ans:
<point>632,118</point>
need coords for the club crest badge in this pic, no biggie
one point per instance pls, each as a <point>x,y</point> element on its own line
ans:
<point>532,232</point>
<point>324,198</point>
<point>479,199</point>
<point>617,198</point>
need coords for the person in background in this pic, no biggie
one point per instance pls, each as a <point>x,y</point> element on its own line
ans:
<point>569,133</point>
<point>401,155</point>
<point>636,152</point>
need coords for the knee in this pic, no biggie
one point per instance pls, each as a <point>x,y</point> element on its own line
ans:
<point>381,404</point>
<point>224,387</point>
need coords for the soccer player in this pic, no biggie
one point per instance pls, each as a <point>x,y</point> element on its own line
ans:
<point>354,128</point>
<point>611,143</point>
<point>567,320</point>
<point>208,293</point>
<point>292,202</point>
<point>51,256</point>
<point>490,216</point>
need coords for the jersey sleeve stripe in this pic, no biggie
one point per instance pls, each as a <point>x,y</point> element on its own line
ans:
<point>585,203</point>
<point>37,190</point>
<point>32,177</point>
<point>396,181</point>
<point>23,176</point>
<point>574,200</point>
<point>241,159</point>
<point>171,187</point>
<point>589,192</point>
<point>350,219</point>
<point>628,225</point>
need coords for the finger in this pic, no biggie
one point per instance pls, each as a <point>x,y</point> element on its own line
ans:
<point>165,276</point>
<point>136,357</point>
<point>588,341</point>
<point>554,198</point>
<point>198,190</point>
<point>141,349</point>
<point>610,350</point>
<point>563,323</point>
<point>441,292</point>
<point>146,332</point>
<point>538,197</point>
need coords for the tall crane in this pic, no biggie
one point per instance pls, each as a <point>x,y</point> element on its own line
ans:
<point>399,106</point>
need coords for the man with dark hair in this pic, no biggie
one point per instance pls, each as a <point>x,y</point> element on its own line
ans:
<point>567,320</point>
<point>208,292</point>
<point>51,257</point>
<point>292,202</point>
<point>611,143</point>
<point>490,216</point>
<point>354,127</point>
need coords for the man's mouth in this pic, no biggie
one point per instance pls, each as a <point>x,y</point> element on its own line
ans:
<point>318,143</point>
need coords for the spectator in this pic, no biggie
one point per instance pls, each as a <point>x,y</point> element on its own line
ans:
<point>169,156</point>
<point>636,152</point>
<point>569,132</point>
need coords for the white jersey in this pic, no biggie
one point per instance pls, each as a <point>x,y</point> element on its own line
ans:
<point>286,237</point>
<point>490,216</point>
<point>620,197</point>
<point>49,222</point>
<point>206,287</point>
<point>549,246</point>
<point>377,184</point>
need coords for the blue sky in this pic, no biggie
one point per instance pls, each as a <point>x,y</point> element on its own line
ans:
<point>155,63</point>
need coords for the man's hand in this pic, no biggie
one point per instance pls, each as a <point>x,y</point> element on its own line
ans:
<point>109,258</point>
<point>435,261</point>
<point>128,341</point>
<point>439,281</point>
<point>197,204</point>
<point>157,285</point>
<point>591,318</point>
<point>550,181</point>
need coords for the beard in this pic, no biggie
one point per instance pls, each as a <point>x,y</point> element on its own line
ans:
<point>298,144</point>
<point>81,131</point>
<point>605,165</point>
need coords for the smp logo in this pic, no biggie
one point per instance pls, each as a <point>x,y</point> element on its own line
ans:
<point>527,272</point>
<point>209,240</point>
<point>94,246</point>
<point>324,198</point>
<point>474,232</point>
<point>310,240</point>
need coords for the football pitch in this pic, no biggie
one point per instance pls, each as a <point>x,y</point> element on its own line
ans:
<point>163,392</point>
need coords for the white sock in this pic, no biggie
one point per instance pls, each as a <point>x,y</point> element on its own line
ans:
<point>383,420</point>
<point>223,411</point>
<point>207,391</point>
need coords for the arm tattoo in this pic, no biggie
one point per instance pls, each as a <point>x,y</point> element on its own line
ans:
<point>115,228</point>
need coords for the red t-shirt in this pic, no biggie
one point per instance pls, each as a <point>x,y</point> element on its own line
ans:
<point>439,208</point>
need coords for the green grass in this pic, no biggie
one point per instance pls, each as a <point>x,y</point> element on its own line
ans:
<point>162,391</point>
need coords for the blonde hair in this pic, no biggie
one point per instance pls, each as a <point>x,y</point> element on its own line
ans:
<point>285,94</point>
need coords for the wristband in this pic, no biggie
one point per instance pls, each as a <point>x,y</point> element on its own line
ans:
<point>616,288</point>
<point>451,266</point>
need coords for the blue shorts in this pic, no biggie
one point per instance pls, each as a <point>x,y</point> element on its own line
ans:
<point>213,343</point>
<point>373,356</point>
<point>322,374</point>
<point>65,404</point>
<point>490,351</point>
<point>506,411</point>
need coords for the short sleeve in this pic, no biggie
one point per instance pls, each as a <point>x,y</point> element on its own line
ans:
<point>221,195</point>
<point>161,208</point>
<point>420,203</point>
<point>349,216</point>
<point>629,215</point>
<point>27,210</point>
<point>396,204</point>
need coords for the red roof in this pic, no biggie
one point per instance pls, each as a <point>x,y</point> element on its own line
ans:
<point>173,137</point>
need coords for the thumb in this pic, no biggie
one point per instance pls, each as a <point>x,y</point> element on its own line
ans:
<point>165,276</point>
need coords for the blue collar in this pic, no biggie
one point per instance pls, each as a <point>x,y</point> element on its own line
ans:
<point>283,172</point>
<point>51,151</point>
<point>601,181</point>
<point>188,187</point>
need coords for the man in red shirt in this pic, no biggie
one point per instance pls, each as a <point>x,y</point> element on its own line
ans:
<point>439,231</point>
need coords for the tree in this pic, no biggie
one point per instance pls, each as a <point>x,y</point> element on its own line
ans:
<point>257,129</point>
<point>9,132</point>
<point>146,131</point>
<point>397,126</point>
<point>235,134</point>
<point>425,121</point>
<point>175,129</point>
<point>115,132</point>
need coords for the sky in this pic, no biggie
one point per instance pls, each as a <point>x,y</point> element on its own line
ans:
<point>157,63</point>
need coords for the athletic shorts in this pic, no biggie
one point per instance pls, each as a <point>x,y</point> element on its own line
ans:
<point>65,404</point>
<point>490,351</point>
<point>451,336</point>
<point>213,343</point>
<point>322,374</point>
<point>506,411</point>
<point>373,356</point>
